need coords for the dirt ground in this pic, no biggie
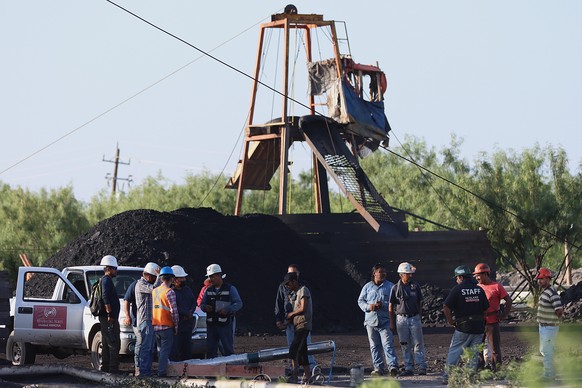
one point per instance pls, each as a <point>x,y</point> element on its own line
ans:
<point>352,349</point>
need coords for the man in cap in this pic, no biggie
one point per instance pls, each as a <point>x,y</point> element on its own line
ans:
<point>109,317</point>
<point>550,310</point>
<point>373,301</point>
<point>143,300</point>
<point>186,302</point>
<point>468,302</point>
<point>405,312</point>
<point>495,293</point>
<point>283,306</point>
<point>165,318</point>
<point>220,302</point>
<point>301,317</point>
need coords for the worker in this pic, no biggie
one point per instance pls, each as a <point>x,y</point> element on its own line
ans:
<point>373,301</point>
<point>143,299</point>
<point>109,317</point>
<point>468,302</point>
<point>495,293</point>
<point>283,306</point>
<point>220,302</point>
<point>405,318</point>
<point>186,302</point>
<point>550,310</point>
<point>301,317</point>
<point>165,318</point>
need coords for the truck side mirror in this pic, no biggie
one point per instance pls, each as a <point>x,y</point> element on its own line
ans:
<point>72,298</point>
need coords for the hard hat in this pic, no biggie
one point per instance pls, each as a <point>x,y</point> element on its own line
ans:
<point>462,270</point>
<point>214,268</point>
<point>544,273</point>
<point>406,268</point>
<point>179,271</point>
<point>151,268</point>
<point>109,261</point>
<point>481,268</point>
<point>166,271</point>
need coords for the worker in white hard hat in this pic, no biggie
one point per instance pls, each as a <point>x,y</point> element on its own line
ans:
<point>109,317</point>
<point>186,301</point>
<point>143,299</point>
<point>130,309</point>
<point>221,301</point>
<point>405,318</point>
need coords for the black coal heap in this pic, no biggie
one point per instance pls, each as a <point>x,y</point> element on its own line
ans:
<point>253,250</point>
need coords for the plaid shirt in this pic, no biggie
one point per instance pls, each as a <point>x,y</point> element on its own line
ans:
<point>143,300</point>
<point>173,309</point>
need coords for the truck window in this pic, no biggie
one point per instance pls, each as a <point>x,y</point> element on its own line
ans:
<point>76,278</point>
<point>122,281</point>
<point>44,287</point>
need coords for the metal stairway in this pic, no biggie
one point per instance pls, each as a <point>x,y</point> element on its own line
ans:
<point>324,138</point>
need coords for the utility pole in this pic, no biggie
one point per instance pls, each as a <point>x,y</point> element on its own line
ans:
<point>117,162</point>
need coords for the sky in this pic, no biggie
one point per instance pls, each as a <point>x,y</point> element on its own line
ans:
<point>79,77</point>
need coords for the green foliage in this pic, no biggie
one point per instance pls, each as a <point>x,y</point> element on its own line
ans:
<point>528,202</point>
<point>381,383</point>
<point>37,224</point>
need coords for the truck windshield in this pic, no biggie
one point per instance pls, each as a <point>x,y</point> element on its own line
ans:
<point>122,281</point>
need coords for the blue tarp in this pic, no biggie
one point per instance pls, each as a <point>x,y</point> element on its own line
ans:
<point>365,112</point>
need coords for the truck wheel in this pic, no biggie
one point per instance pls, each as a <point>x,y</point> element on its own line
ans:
<point>96,349</point>
<point>19,353</point>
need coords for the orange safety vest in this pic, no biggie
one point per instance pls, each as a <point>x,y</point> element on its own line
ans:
<point>161,313</point>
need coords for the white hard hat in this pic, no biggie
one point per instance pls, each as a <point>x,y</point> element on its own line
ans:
<point>151,268</point>
<point>406,268</point>
<point>179,271</point>
<point>214,268</point>
<point>109,261</point>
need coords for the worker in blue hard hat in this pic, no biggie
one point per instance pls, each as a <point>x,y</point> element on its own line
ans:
<point>165,318</point>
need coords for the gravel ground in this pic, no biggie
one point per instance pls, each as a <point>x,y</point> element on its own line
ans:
<point>352,349</point>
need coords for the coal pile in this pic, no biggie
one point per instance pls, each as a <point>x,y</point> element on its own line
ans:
<point>254,251</point>
<point>432,305</point>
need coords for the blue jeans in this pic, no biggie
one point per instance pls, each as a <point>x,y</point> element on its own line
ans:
<point>222,334</point>
<point>146,351</point>
<point>381,337</point>
<point>164,340</point>
<point>459,342</point>
<point>137,346</point>
<point>290,333</point>
<point>548,336</point>
<point>411,341</point>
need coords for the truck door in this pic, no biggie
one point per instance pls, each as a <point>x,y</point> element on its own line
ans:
<point>48,309</point>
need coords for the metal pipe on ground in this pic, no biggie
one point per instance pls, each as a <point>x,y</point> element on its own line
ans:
<point>91,375</point>
<point>263,355</point>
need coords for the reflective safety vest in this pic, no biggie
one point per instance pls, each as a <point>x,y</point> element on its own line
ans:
<point>161,313</point>
<point>220,297</point>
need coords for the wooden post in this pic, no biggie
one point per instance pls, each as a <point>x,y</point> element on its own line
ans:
<point>568,272</point>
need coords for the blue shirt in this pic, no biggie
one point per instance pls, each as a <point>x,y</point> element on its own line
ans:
<point>130,297</point>
<point>370,294</point>
<point>109,296</point>
<point>186,301</point>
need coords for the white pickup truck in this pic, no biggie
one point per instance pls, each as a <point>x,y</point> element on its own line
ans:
<point>50,315</point>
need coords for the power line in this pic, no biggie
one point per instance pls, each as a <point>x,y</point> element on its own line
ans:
<point>122,102</point>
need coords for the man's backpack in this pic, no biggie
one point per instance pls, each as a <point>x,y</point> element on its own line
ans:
<point>95,300</point>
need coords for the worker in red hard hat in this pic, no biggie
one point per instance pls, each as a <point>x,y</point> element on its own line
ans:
<point>495,293</point>
<point>550,310</point>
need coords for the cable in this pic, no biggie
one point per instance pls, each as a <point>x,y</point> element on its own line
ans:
<point>443,202</point>
<point>124,101</point>
<point>488,202</point>
<point>206,53</point>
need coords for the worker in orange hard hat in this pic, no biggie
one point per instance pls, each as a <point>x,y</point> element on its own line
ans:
<point>495,294</point>
<point>550,311</point>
